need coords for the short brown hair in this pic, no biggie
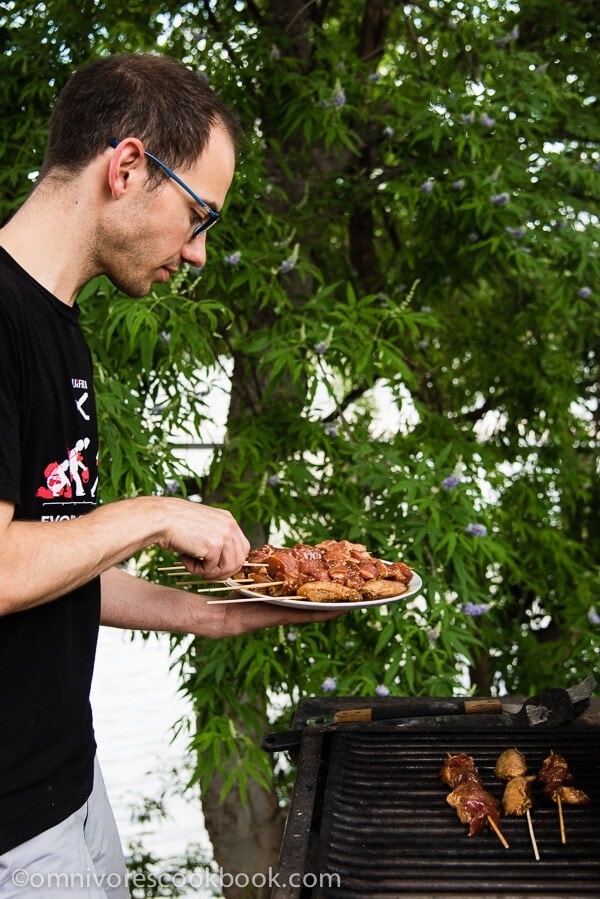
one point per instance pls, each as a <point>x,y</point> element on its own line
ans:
<point>170,108</point>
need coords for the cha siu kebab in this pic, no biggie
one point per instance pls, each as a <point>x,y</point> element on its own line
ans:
<point>558,786</point>
<point>512,767</point>
<point>474,805</point>
<point>331,571</point>
<point>516,800</point>
<point>558,781</point>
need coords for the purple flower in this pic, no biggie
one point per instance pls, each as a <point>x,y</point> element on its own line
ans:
<point>474,608</point>
<point>291,636</point>
<point>374,77</point>
<point>473,237</point>
<point>458,185</point>
<point>382,690</point>
<point>468,118</point>
<point>500,199</point>
<point>166,336</point>
<point>427,186</point>
<point>332,429</point>
<point>275,52</point>
<point>273,481</point>
<point>320,348</point>
<point>516,232</point>
<point>171,487</point>
<point>287,265</point>
<point>486,120</point>
<point>329,684</point>
<point>233,258</point>
<point>593,616</point>
<point>339,99</point>
<point>451,482</point>
<point>584,292</point>
<point>476,530</point>
<point>388,131</point>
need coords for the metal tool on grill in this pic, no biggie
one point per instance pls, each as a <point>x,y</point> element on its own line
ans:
<point>553,707</point>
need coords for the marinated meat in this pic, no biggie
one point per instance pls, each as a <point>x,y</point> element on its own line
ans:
<point>517,795</point>
<point>320,591</point>
<point>511,763</point>
<point>459,769</point>
<point>382,589</point>
<point>336,562</point>
<point>558,780</point>
<point>474,806</point>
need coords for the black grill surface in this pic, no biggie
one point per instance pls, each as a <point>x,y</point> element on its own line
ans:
<point>369,817</point>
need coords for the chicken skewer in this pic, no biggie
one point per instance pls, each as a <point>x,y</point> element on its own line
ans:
<point>558,781</point>
<point>474,805</point>
<point>516,800</point>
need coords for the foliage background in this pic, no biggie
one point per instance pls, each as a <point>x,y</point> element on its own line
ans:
<point>402,302</point>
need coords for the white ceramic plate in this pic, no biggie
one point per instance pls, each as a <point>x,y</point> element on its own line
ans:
<point>414,587</point>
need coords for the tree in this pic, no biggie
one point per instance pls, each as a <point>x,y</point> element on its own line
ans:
<point>404,298</point>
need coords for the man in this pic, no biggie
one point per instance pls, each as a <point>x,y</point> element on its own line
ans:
<point>111,200</point>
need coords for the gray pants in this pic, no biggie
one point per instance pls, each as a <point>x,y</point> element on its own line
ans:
<point>80,858</point>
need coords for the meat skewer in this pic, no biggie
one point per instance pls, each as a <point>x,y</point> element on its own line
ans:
<point>516,800</point>
<point>474,805</point>
<point>331,571</point>
<point>558,788</point>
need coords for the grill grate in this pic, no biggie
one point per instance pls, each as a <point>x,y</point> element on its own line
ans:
<point>381,827</point>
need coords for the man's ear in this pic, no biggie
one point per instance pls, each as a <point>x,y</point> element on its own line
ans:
<point>127,160</point>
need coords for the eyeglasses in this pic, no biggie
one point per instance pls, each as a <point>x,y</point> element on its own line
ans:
<point>213,217</point>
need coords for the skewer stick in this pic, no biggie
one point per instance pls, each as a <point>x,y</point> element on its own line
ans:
<point>496,830</point>
<point>561,820</point>
<point>205,589</point>
<point>220,602</point>
<point>181,569</point>
<point>233,587</point>
<point>532,836</point>
<point>199,583</point>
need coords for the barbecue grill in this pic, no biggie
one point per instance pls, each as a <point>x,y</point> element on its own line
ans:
<point>369,817</point>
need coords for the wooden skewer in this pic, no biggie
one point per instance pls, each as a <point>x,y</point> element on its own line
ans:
<point>244,584</point>
<point>532,836</point>
<point>200,581</point>
<point>245,599</point>
<point>175,570</point>
<point>561,820</point>
<point>498,832</point>
<point>206,589</point>
<point>222,602</point>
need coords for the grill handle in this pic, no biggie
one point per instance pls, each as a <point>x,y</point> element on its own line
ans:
<point>416,708</point>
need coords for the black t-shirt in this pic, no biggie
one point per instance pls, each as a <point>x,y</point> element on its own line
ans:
<point>49,470</point>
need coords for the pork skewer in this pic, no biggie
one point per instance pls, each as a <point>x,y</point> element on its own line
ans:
<point>516,800</point>
<point>558,781</point>
<point>474,805</point>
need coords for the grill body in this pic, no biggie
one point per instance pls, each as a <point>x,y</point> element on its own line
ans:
<point>369,815</point>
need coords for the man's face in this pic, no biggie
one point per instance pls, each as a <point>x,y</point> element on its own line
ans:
<point>151,235</point>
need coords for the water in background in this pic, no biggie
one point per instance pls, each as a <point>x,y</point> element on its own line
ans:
<point>136,703</point>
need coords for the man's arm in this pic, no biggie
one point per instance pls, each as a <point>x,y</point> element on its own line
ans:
<point>130,602</point>
<point>40,561</point>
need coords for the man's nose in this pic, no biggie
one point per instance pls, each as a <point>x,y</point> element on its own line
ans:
<point>194,251</point>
